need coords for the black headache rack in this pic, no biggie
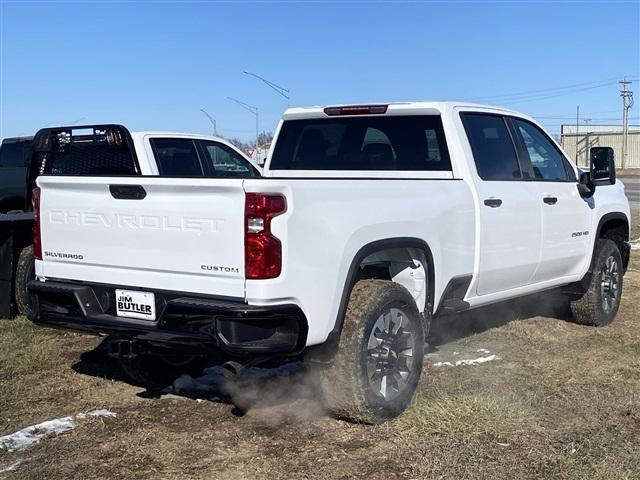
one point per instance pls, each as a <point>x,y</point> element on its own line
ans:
<point>87,150</point>
<point>185,323</point>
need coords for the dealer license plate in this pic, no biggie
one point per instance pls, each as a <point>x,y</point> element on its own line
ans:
<point>132,304</point>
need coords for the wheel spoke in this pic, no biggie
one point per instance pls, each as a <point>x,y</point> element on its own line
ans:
<point>383,386</point>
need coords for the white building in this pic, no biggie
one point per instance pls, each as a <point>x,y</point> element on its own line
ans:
<point>588,136</point>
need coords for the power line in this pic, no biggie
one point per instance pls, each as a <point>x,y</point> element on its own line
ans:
<point>561,116</point>
<point>529,92</point>
<point>543,94</point>
<point>533,98</point>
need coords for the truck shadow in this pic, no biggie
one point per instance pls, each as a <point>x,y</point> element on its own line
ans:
<point>449,328</point>
<point>285,383</point>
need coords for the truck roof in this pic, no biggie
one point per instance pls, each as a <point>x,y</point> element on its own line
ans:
<point>427,107</point>
<point>141,134</point>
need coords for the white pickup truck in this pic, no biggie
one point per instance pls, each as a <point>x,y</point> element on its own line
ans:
<point>367,221</point>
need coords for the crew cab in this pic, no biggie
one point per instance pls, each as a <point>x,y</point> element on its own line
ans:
<point>368,221</point>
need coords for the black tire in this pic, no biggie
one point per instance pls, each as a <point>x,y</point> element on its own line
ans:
<point>347,389</point>
<point>599,304</point>
<point>157,371</point>
<point>25,272</point>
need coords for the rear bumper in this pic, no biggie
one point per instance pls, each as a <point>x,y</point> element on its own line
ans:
<point>185,323</point>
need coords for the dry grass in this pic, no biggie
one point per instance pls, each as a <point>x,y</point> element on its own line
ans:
<point>467,416</point>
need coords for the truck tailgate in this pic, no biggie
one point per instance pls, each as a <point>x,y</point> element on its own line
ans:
<point>186,234</point>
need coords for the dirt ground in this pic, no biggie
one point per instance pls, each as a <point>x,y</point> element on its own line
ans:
<point>559,401</point>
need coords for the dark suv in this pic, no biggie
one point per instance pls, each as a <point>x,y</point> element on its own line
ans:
<point>15,155</point>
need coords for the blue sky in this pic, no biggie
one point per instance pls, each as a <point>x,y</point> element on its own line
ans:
<point>153,65</point>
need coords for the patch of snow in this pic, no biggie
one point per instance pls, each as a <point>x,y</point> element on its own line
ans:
<point>31,435</point>
<point>468,362</point>
<point>102,412</point>
<point>12,467</point>
<point>635,245</point>
<point>483,350</point>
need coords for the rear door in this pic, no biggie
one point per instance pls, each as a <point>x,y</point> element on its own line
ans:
<point>565,214</point>
<point>510,213</point>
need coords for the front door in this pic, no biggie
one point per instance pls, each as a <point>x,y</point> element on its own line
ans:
<point>565,214</point>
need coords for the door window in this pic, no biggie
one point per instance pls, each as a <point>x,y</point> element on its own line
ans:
<point>176,157</point>
<point>224,162</point>
<point>546,160</point>
<point>492,147</point>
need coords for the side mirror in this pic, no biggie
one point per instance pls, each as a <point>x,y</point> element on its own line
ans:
<point>603,166</point>
<point>585,187</point>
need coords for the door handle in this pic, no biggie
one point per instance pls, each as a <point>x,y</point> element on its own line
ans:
<point>550,200</point>
<point>127,192</point>
<point>493,202</point>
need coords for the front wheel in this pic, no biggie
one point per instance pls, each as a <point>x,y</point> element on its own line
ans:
<point>376,370</point>
<point>599,304</point>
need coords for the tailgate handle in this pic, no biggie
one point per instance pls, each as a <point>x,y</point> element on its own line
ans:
<point>127,192</point>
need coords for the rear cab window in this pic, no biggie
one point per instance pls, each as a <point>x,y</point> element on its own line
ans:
<point>362,143</point>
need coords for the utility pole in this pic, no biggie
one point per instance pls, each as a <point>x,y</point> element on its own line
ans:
<point>212,120</point>
<point>587,141</point>
<point>577,130</point>
<point>627,103</point>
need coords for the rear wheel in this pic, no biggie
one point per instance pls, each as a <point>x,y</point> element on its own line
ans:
<point>599,304</point>
<point>376,370</point>
<point>25,272</point>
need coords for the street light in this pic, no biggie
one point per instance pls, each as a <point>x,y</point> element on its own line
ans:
<point>286,93</point>
<point>249,108</point>
<point>212,120</point>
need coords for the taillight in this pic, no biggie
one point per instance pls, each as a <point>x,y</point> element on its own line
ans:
<point>37,238</point>
<point>262,251</point>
